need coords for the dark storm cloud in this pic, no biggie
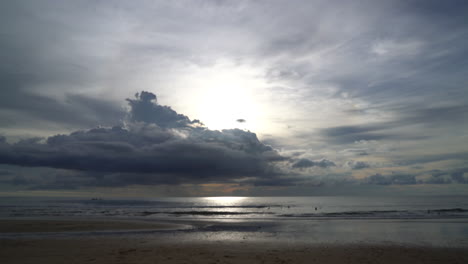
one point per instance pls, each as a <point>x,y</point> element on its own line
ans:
<point>144,108</point>
<point>158,146</point>
<point>274,182</point>
<point>307,163</point>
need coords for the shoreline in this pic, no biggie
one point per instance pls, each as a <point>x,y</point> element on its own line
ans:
<point>31,226</point>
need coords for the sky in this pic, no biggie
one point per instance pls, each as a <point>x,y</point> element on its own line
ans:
<point>219,97</point>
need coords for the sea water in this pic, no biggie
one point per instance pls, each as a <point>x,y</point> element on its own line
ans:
<point>435,220</point>
<point>333,207</point>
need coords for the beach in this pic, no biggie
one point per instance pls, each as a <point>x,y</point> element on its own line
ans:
<point>39,226</point>
<point>166,246</point>
<point>234,230</point>
<point>233,131</point>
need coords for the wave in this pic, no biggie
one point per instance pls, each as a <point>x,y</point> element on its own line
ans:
<point>455,210</point>
<point>205,213</point>
<point>247,211</point>
<point>237,206</point>
<point>165,204</point>
<point>404,214</point>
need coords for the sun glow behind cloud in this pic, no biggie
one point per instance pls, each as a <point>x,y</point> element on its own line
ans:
<point>226,92</point>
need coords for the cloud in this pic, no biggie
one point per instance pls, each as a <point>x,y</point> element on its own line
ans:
<point>459,175</point>
<point>390,72</point>
<point>355,151</point>
<point>450,176</point>
<point>401,126</point>
<point>307,163</point>
<point>389,48</point>
<point>397,179</point>
<point>144,108</point>
<point>349,134</point>
<point>25,109</point>
<point>240,120</point>
<point>463,156</point>
<point>357,165</point>
<point>157,146</point>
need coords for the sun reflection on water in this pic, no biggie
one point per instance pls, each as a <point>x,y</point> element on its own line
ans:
<point>226,200</point>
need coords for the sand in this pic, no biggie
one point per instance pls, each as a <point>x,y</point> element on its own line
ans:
<point>150,249</point>
<point>33,226</point>
<point>106,251</point>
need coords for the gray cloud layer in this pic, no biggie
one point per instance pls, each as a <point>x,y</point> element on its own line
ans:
<point>157,146</point>
<point>379,82</point>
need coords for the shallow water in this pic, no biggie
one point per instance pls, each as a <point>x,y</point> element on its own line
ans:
<point>243,207</point>
<point>434,221</point>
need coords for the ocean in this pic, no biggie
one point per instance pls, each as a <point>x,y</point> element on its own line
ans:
<point>437,221</point>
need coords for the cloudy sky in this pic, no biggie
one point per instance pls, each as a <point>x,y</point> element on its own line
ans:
<point>220,97</point>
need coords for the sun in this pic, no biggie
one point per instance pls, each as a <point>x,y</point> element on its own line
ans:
<point>226,93</point>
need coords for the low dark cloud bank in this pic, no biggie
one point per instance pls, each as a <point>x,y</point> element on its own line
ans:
<point>155,146</point>
<point>453,176</point>
<point>391,179</point>
<point>307,163</point>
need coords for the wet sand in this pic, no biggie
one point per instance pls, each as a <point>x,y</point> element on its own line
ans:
<point>106,251</point>
<point>35,226</point>
<point>153,249</point>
